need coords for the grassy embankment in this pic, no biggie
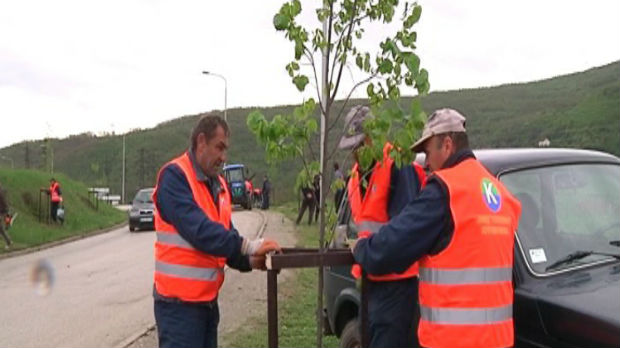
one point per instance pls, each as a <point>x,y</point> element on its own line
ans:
<point>22,186</point>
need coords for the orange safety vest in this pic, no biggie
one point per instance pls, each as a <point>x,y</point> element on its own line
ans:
<point>54,196</point>
<point>181,271</point>
<point>466,292</point>
<point>371,213</point>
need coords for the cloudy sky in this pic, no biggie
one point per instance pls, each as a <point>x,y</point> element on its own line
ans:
<point>71,66</point>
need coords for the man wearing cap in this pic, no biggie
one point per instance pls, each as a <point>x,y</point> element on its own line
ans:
<point>375,196</point>
<point>465,290</point>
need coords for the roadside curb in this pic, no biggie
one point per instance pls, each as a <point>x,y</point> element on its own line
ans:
<point>132,339</point>
<point>60,242</point>
<point>129,341</point>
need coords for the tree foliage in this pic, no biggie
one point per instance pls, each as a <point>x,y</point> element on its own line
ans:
<point>393,67</point>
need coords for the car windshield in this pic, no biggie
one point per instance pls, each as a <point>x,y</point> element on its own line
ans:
<point>234,175</point>
<point>565,209</point>
<point>144,196</point>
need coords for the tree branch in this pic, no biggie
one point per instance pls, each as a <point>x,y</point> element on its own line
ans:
<point>348,36</point>
<point>318,92</point>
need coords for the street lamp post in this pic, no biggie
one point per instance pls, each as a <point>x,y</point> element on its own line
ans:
<point>123,179</point>
<point>225,90</point>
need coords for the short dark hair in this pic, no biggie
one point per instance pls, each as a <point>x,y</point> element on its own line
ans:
<point>336,166</point>
<point>208,124</point>
<point>459,139</point>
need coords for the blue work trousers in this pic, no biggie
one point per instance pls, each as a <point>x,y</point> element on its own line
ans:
<point>393,313</point>
<point>181,324</point>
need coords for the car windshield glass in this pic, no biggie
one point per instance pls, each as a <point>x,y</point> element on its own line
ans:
<point>144,196</point>
<point>234,175</point>
<point>565,209</point>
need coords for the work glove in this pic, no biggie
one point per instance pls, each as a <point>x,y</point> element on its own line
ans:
<point>257,249</point>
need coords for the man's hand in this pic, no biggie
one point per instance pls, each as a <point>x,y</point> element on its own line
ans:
<point>258,262</point>
<point>352,243</point>
<point>267,246</point>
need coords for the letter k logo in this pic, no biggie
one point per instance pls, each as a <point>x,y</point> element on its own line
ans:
<point>488,192</point>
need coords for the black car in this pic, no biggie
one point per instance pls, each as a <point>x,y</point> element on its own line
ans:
<point>566,269</point>
<point>141,213</point>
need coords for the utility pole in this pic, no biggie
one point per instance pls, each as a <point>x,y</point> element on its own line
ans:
<point>225,90</point>
<point>27,156</point>
<point>123,180</point>
<point>142,169</point>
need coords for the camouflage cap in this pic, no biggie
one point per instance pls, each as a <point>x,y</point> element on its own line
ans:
<point>441,121</point>
<point>353,133</point>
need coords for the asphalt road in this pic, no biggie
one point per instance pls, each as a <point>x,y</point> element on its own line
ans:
<point>101,293</point>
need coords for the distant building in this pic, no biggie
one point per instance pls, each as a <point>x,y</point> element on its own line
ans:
<point>544,143</point>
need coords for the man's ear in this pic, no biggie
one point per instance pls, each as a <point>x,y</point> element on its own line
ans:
<point>201,140</point>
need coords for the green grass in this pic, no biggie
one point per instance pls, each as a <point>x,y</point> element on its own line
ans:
<point>22,186</point>
<point>296,303</point>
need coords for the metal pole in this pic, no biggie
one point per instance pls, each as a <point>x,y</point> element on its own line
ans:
<point>52,153</point>
<point>225,100</point>
<point>225,91</point>
<point>123,182</point>
<point>272,307</point>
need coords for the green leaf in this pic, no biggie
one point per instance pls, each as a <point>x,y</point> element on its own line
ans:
<point>385,67</point>
<point>300,82</point>
<point>414,17</point>
<point>359,61</point>
<point>309,106</point>
<point>254,120</point>
<point>412,61</point>
<point>299,49</point>
<point>295,8</point>
<point>370,89</point>
<point>312,126</point>
<point>416,106</point>
<point>367,62</point>
<point>281,21</point>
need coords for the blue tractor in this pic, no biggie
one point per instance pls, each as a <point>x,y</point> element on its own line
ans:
<point>239,185</point>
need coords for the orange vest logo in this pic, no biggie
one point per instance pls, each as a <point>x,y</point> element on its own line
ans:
<point>490,195</point>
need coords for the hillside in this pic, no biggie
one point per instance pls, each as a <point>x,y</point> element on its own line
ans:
<point>576,110</point>
<point>21,188</point>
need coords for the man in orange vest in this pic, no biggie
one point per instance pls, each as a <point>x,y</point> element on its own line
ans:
<point>196,239</point>
<point>461,231</point>
<point>55,198</point>
<point>375,196</point>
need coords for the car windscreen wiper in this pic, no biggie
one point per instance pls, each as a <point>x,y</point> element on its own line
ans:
<point>577,255</point>
<point>615,243</point>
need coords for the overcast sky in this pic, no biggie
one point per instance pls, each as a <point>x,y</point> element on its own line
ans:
<point>68,67</point>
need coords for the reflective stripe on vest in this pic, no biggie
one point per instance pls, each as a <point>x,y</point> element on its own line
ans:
<point>173,239</point>
<point>465,275</point>
<point>466,316</point>
<point>182,271</point>
<point>371,226</point>
<point>465,290</point>
<point>195,273</point>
